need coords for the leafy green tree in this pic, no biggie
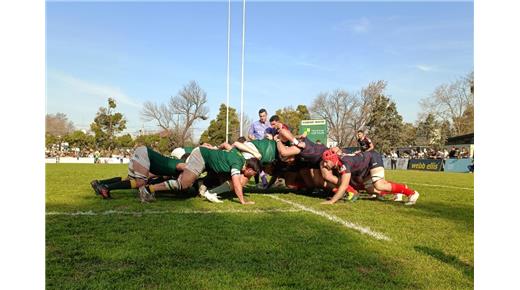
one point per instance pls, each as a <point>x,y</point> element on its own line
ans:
<point>125,141</point>
<point>106,124</point>
<point>50,140</point>
<point>292,117</point>
<point>216,132</point>
<point>407,135</point>
<point>385,124</point>
<point>156,142</point>
<point>80,139</point>
<point>427,130</point>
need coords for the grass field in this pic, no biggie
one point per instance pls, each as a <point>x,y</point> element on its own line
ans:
<point>188,243</point>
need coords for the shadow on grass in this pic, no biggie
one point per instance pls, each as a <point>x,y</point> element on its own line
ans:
<point>466,268</point>
<point>215,251</point>
<point>462,213</point>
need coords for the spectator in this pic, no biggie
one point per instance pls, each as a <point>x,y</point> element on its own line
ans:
<point>446,154</point>
<point>257,129</point>
<point>393,160</point>
<point>276,125</point>
<point>96,157</point>
<point>318,141</point>
<point>365,144</point>
<point>452,153</point>
<point>464,153</point>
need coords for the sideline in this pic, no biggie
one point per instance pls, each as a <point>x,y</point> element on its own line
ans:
<point>152,212</point>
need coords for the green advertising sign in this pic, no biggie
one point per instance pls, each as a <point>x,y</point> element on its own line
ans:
<point>316,130</point>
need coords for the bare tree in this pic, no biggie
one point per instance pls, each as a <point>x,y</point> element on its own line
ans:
<point>247,123</point>
<point>58,124</point>
<point>338,109</point>
<point>366,101</point>
<point>181,112</point>
<point>347,112</point>
<point>452,102</point>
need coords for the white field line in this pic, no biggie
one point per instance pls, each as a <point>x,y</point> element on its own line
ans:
<point>361,229</point>
<point>435,185</point>
<point>152,212</point>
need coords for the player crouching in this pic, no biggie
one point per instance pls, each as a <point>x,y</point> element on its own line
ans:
<point>367,166</point>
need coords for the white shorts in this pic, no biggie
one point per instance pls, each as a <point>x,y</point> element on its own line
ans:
<point>141,157</point>
<point>195,163</point>
<point>373,178</point>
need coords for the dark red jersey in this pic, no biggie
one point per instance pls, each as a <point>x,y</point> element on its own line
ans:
<point>364,143</point>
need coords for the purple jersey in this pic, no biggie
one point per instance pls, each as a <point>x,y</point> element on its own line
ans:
<point>312,152</point>
<point>364,143</point>
<point>361,163</point>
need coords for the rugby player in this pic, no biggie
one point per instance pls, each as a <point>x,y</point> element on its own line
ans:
<point>145,166</point>
<point>365,144</point>
<point>219,161</point>
<point>308,153</point>
<point>367,167</point>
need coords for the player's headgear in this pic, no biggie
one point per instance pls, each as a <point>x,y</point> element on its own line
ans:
<point>178,152</point>
<point>328,155</point>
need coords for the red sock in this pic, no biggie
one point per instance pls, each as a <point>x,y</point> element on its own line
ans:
<point>351,189</point>
<point>401,188</point>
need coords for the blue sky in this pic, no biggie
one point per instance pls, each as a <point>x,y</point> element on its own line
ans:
<point>138,51</point>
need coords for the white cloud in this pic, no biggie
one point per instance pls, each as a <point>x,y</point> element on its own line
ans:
<point>423,67</point>
<point>81,88</point>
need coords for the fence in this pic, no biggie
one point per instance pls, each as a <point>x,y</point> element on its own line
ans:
<point>449,165</point>
<point>103,160</point>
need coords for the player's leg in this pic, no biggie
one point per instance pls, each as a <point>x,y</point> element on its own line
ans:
<point>193,169</point>
<point>378,180</point>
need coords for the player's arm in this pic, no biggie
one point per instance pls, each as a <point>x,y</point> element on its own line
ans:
<point>180,166</point>
<point>371,146</point>
<point>250,132</point>
<point>244,148</point>
<point>287,135</point>
<point>327,174</point>
<point>225,146</point>
<point>285,151</point>
<point>209,146</point>
<point>236,182</point>
<point>345,179</point>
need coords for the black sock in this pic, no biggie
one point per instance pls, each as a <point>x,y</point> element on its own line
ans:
<point>257,179</point>
<point>156,180</point>
<point>125,184</point>
<point>110,180</point>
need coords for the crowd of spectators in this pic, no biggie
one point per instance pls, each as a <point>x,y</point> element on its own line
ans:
<point>88,153</point>
<point>429,153</point>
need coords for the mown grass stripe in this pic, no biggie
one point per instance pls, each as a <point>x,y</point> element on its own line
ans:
<point>435,185</point>
<point>361,229</point>
<point>152,212</point>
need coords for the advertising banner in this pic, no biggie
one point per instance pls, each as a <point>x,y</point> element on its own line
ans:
<point>315,129</point>
<point>425,164</point>
<point>402,163</point>
<point>457,165</point>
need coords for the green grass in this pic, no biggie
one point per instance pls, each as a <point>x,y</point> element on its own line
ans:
<point>431,243</point>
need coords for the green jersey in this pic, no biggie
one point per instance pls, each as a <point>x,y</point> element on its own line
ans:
<point>161,165</point>
<point>267,148</point>
<point>223,161</point>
